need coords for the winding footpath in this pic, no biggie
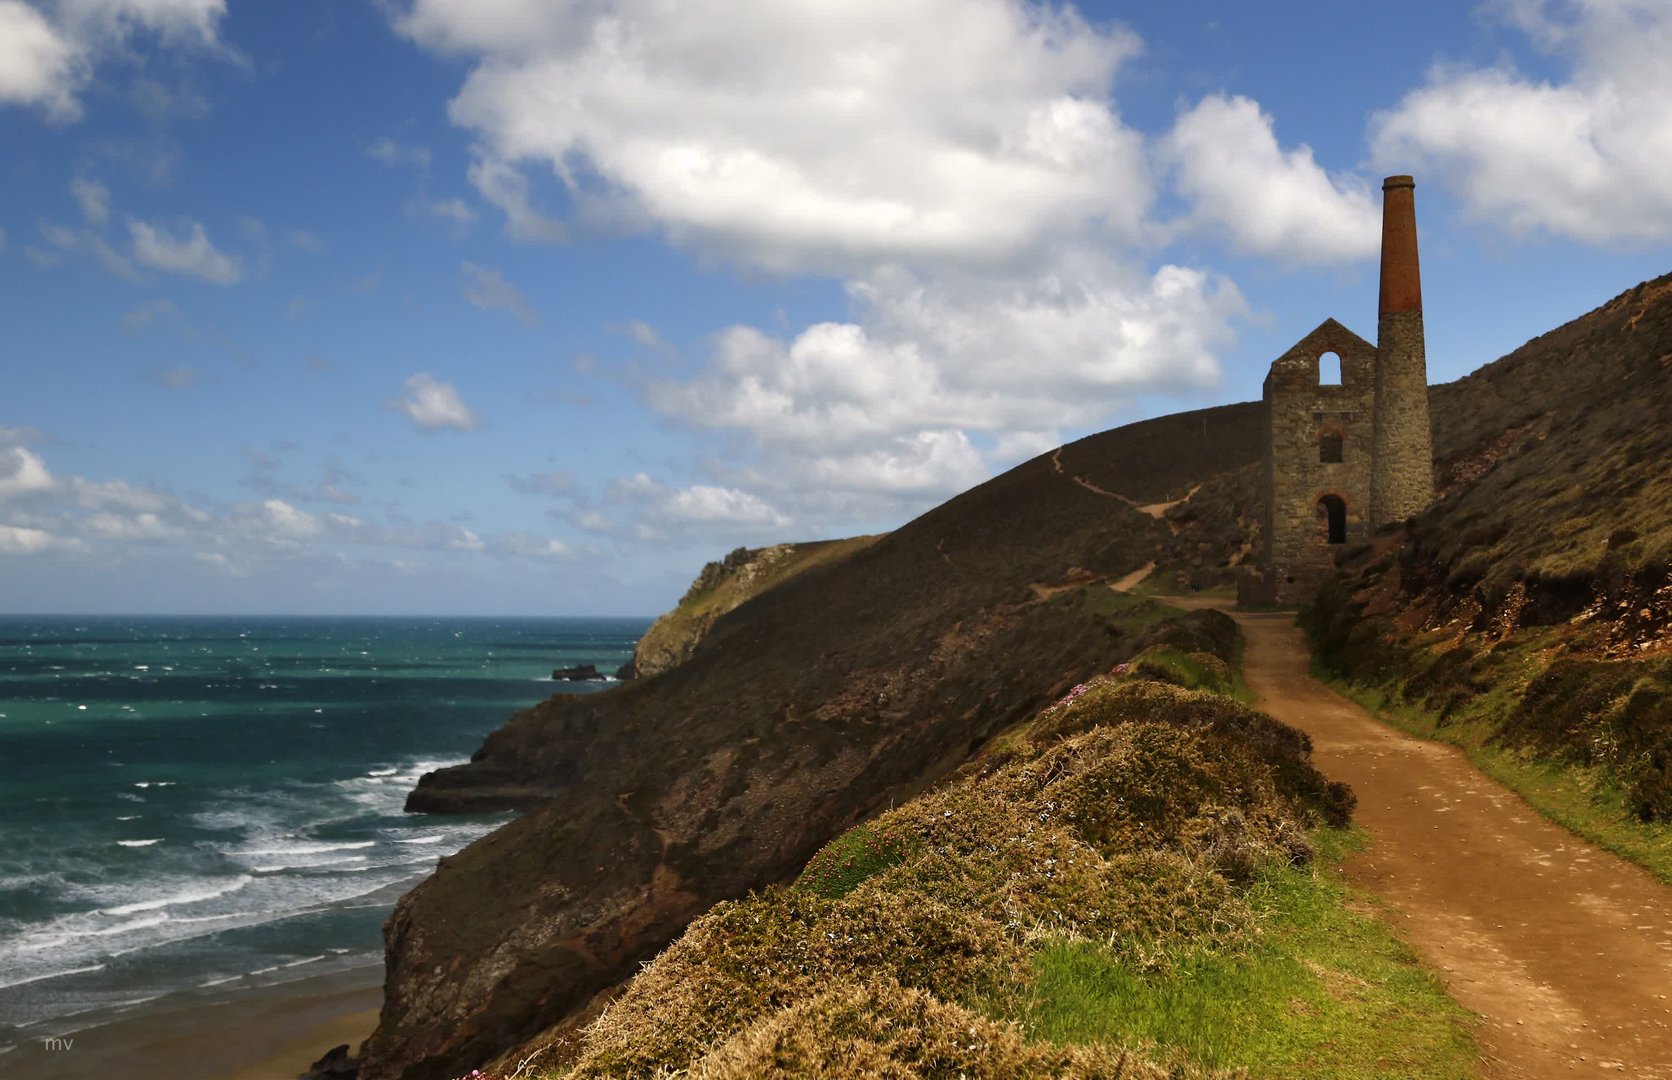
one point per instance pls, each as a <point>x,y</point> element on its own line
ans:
<point>1563,949</point>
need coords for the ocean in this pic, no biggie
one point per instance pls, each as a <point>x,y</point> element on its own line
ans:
<point>191,803</point>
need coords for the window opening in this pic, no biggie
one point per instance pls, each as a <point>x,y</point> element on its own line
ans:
<point>1329,369</point>
<point>1329,447</point>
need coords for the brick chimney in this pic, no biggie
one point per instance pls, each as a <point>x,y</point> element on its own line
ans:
<point>1402,453</point>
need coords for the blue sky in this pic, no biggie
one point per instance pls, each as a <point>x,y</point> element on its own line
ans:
<point>531,307</point>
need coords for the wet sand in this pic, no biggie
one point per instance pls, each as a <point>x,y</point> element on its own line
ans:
<point>265,1033</point>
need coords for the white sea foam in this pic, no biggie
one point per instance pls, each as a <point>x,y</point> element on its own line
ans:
<point>140,843</point>
<point>52,975</point>
<point>195,896</point>
<point>311,849</point>
<point>432,839</point>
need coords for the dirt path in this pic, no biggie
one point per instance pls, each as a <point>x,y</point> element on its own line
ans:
<point>1563,949</point>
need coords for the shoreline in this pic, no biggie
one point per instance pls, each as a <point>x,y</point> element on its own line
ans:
<point>265,1033</point>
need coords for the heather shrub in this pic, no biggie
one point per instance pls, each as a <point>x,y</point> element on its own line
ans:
<point>750,957</point>
<point>880,1029</point>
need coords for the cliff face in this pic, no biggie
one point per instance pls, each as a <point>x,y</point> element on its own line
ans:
<point>1536,595</point>
<point>851,685</point>
<point>724,585</point>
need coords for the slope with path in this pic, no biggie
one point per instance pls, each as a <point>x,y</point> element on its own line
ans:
<point>1563,949</point>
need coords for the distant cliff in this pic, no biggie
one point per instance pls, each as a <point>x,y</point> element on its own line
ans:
<point>724,585</point>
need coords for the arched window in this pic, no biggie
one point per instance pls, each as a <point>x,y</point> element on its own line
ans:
<point>1329,447</point>
<point>1332,514</point>
<point>1329,369</point>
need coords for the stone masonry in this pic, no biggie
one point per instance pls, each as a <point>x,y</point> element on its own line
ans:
<point>1301,415</point>
<point>1345,459</point>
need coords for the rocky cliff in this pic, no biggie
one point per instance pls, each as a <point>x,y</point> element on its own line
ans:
<point>724,585</point>
<point>847,687</point>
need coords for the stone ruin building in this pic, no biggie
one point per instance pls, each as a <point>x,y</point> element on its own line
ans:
<point>1348,446</point>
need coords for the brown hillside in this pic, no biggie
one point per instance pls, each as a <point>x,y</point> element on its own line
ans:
<point>816,703</point>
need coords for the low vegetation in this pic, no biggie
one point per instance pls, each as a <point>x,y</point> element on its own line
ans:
<point>1128,884</point>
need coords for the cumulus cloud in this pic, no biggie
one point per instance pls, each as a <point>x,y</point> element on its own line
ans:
<point>39,64</point>
<point>1267,201</point>
<point>434,405</point>
<point>22,472</point>
<point>796,135</point>
<point>987,355</point>
<point>697,508</point>
<point>1583,156</point>
<point>46,61</point>
<point>18,540</point>
<point>487,289</point>
<point>191,254</point>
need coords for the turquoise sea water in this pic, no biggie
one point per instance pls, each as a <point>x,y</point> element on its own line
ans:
<point>192,802</point>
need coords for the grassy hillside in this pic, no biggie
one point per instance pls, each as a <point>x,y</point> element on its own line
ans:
<point>1126,884</point>
<point>1528,613</point>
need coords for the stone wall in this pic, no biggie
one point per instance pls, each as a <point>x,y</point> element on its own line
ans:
<point>1298,555</point>
<point>1402,481</point>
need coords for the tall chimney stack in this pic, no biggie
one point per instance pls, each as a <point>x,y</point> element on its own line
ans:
<point>1402,454</point>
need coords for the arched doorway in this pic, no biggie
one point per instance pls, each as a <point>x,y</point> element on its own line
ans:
<point>1332,514</point>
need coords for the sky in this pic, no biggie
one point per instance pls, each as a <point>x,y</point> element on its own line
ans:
<point>476,307</point>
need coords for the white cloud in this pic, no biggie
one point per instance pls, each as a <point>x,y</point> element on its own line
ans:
<point>698,507</point>
<point>978,354</point>
<point>1582,157</point>
<point>1241,183</point>
<point>145,526</point>
<point>802,135</point>
<point>435,405</point>
<point>16,540</point>
<point>487,289</point>
<point>38,64</point>
<point>192,254</point>
<point>46,61</point>
<point>22,472</point>
<point>93,198</point>
<point>285,520</point>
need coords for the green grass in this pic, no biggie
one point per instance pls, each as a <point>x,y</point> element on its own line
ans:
<point>1581,799</point>
<point>1325,992</point>
<point>847,861</point>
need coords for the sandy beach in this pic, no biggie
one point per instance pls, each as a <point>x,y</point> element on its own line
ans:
<point>265,1033</point>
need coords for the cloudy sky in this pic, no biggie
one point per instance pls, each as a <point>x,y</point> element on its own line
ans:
<point>532,306</point>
